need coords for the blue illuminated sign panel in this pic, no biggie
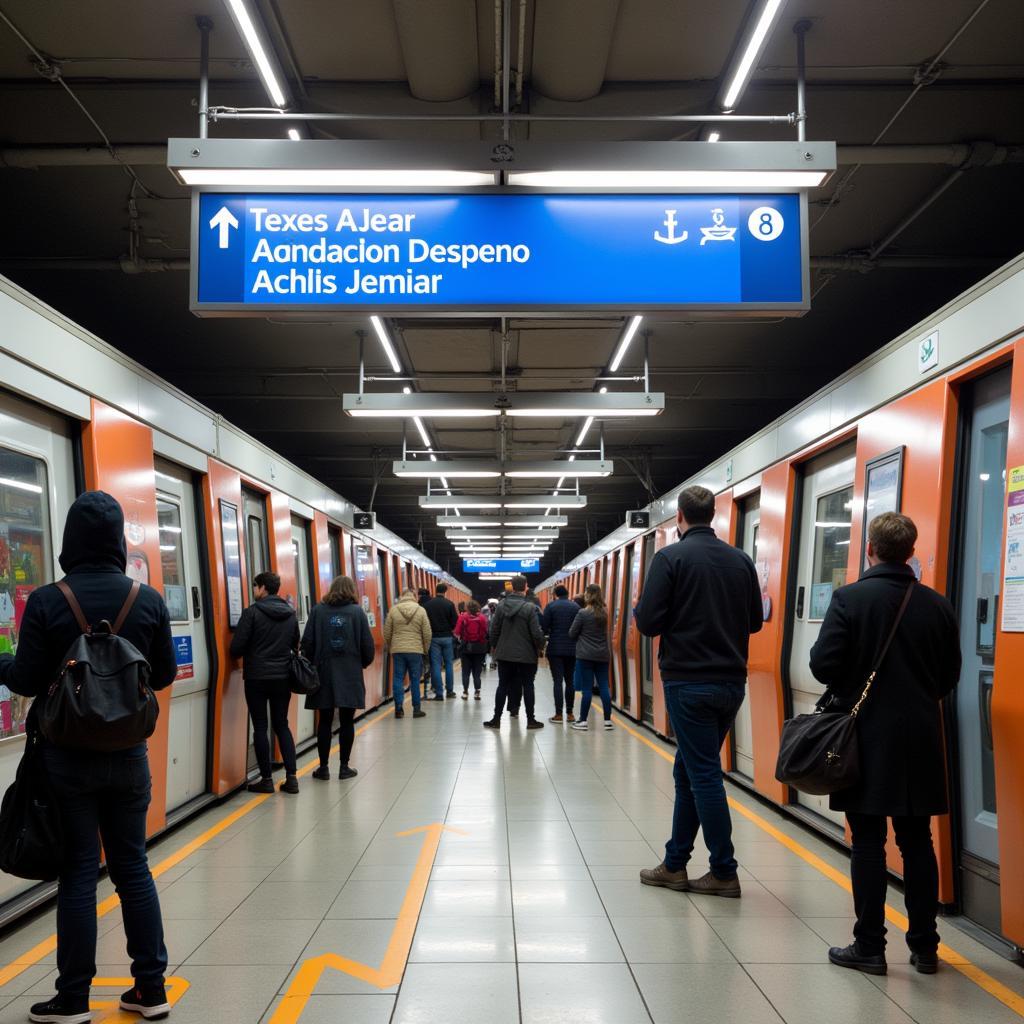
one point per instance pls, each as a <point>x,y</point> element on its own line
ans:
<point>509,252</point>
<point>523,565</point>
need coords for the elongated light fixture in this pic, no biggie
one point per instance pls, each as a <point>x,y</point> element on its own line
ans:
<point>626,179</point>
<point>624,344</point>
<point>579,468</point>
<point>510,501</point>
<point>739,73</point>
<point>262,55</point>
<point>483,468</point>
<point>460,405</point>
<point>385,343</point>
<point>500,521</point>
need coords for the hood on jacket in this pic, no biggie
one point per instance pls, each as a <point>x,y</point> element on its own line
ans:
<point>275,607</point>
<point>407,608</point>
<point>514,603</point>
<point>94,534</point>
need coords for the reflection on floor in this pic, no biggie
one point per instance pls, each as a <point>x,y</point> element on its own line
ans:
<point>318,909</point>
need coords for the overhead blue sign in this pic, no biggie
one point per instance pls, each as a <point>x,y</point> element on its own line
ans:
<point>501,565</point>
<point>511,252</point>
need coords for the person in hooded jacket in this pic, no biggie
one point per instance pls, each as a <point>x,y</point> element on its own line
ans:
<point>517,640</point>
<point>337,639</point>
<point>101,795</point>
<point>407,635</point>
<point>555,620</point>
<point>265,637</point>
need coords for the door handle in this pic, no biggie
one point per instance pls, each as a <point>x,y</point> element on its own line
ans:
<point>800,602</point>
<point>985,687</point>
<point>307,606</point>
<point>197,609</point>
<point>982,610</point>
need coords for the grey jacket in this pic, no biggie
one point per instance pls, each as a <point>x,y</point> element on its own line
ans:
<point>591,637</point>
<point>515,632</point>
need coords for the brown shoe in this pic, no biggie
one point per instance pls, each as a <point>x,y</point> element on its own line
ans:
<point>555,718</point>
<point>665,879</point>
<point>711,886</point>
<point>570,717</point>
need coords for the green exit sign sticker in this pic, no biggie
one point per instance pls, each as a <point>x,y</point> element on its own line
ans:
<point>928,353</point>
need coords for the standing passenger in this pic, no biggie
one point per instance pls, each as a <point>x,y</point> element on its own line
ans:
<point>517,639</point>
<point>337,639</point>
<point>471,629</point>
<point>266,635</point>
<point>590,631</point>
<point>441,613</point>
<point>407,636</point>
<point>101,796</point>
<point>899,732</point>
<point>561,651</point>
<point>703,598</point>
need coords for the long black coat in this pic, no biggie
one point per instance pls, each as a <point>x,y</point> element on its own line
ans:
<point>341,674</point>
<point>899,729</point>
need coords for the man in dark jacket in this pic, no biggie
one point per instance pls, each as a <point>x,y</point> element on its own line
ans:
<point>442,615</point>
<point>702,597</point>
<point>899,732</point>
<point>266,635</point>
<point>517,639</point>
<point>100,795</point>
<point>561,650</point>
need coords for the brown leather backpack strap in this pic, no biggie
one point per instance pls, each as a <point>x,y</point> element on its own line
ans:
<point>76,608</point>
<point>126,608</point>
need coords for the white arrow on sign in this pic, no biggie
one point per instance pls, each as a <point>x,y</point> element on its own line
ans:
<point>224,220</point>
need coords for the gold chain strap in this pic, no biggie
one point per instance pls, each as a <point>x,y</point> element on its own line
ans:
<point>863,696</point>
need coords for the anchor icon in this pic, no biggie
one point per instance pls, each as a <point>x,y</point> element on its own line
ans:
<point>671,238</point>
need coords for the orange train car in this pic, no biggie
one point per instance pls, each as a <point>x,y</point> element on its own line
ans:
<point>931,425</point>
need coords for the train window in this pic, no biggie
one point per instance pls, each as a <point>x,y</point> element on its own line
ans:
<point>172,560</point>
<point>831,548</point>
<point>25,562</point>
<point>257,552</point>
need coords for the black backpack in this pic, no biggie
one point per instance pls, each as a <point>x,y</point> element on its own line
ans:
<point>101,700</point>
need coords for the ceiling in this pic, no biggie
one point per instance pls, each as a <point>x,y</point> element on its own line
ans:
<point>108,244</point>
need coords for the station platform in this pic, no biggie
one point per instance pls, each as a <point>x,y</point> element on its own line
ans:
<point>473,876</point>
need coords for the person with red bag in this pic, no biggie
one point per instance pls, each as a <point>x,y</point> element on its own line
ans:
<point>471,629</point>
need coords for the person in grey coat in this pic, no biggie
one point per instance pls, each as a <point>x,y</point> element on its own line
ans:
<point>590,631</point>
<point>517,640</point>
<point>337,639</point>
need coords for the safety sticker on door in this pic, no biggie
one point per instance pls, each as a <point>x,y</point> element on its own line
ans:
<point>183,656</point>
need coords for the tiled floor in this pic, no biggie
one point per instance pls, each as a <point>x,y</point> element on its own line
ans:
<point>531,913</point>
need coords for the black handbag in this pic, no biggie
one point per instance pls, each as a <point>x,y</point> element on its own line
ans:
<point>303,677</point>
<point>31,834</point>
<point>819,753</point>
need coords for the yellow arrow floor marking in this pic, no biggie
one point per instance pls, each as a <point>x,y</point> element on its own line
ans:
<point>389,972</point>
<point>110,1011</point>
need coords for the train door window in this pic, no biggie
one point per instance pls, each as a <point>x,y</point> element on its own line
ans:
<point>983,501</point>
<point>831,549</point>
<point>743,729</point>
<point>305,597</point>
<point>334,539</point>
<point>257,543</point>
<point>647,644</point>
<point>172,560</point>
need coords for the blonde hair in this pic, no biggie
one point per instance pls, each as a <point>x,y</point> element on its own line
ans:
<point>408,592</point>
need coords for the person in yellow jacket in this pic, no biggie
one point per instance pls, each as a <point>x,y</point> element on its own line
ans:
<point>407,634</point>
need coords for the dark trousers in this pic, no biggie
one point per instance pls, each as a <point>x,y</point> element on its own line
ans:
<point>587,674</point>
<point>471,664</point>
<point>259,693</point>
<point>701,715</point>
<point>325,732</point>
<point>104,795</point>
<point>563,668</point>
<point>868,874</point>
<point>515,684</point>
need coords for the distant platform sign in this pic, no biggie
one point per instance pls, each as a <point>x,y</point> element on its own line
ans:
<point>476,254</point>
<point>523,565</point>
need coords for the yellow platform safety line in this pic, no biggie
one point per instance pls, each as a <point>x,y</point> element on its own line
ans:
<point>958,961</point>
<point>110,1012</point>
<point>391,968</point>
<point>49,945</point>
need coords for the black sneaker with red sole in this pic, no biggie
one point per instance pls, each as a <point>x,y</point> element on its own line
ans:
<point>149,1002</point>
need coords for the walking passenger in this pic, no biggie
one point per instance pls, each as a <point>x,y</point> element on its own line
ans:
<point>471,629</point>
<point>407,636</point>
<point>703,598</point>
<point>517,640</point>
<point>558,616</point>
<point>337,639</point>
<point>441,613</point>
<point>102,796</point>
<point>899,732</point>
<point>266,635</point>
<point>590,631</point>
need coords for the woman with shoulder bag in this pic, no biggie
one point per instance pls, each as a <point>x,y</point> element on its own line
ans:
<point>337,639</point>
<point>471,629</point>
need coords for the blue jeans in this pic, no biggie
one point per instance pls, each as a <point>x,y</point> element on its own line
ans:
<point>413,665</point>
<point>104,796</point>
<point>442,647</point>
<point>701,715</point>
<point>585,674</point>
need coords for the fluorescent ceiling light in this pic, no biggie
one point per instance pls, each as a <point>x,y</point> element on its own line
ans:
<point>671,179</point>
<point>581,467</point>
<point>385,343</point>
<point>584,431</point>
<point>293,134</point>
<point>498,521</point>
<point>485,468</point>
<point>456,534</point>
<point>459,405</point>
<point>258,51</point>
<point>741,70</point>
<point>273,177</point>
<point>466,469</point>
<point>459,501</point>
<point>543,501</point>
<point>714,136</point>
<point>627,337</point>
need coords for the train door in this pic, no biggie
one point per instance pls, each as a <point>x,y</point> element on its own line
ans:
<point>385,597</point>
<point>334,539</point>
<point>823,551</point>
<point>305,598</point>
<point>626,679</point>
<point>647,645</point>
<point>188,727</point>
<point>37,487</point>
<point>743,730</point>
<point>615,604</point>
<point>983,498</point>
<point>257,560</point>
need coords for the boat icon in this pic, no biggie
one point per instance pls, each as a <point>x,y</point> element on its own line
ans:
<point>719,232</point>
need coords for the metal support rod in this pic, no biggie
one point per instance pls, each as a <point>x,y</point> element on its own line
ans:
<point>404,448</point>
<point>232,114</point>
<point>602,440</point>
<point>205,25</point>
<point>801,28</point>
<point>647,363</point>
<point>506,69</point>
<point>362,364</point>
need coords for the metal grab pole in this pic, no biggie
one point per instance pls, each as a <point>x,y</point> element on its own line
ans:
<point>801,28</point>
<point>264,114</point>
<point>205,25</point>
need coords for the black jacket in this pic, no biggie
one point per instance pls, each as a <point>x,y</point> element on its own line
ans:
<point>515,632</point>
<point>555,621</point>
<point>590,635</point>
<point>341,673</point>
<point>266,634</point>
<point>442,615</point>
<point>702,597</point>
<point>93,557</point>
<point>899,728</point>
